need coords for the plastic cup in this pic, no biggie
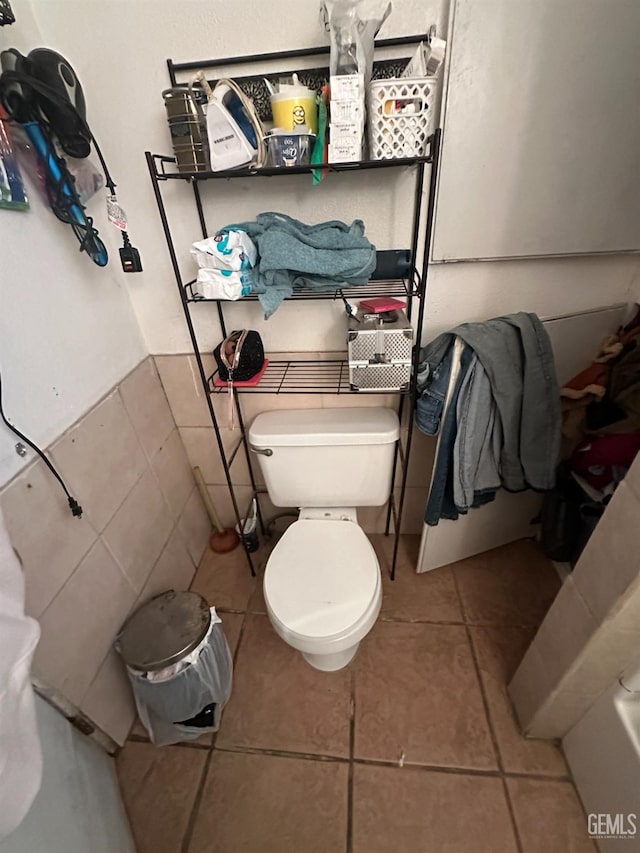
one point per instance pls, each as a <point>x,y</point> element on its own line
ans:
<point>290,110</point>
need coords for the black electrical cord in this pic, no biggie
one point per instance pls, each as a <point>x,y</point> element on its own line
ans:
<point>74,506</point>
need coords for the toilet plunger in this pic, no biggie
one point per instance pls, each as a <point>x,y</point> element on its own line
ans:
<point>223,539</point>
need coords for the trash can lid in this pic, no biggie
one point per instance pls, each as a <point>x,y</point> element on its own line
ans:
<point>164,630</point>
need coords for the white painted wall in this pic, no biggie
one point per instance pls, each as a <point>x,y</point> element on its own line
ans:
<point>67,329</point>
<point>119,51</point>
<point>78,808</point>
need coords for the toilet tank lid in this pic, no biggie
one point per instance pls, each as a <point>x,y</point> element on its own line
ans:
<point>316,427</point>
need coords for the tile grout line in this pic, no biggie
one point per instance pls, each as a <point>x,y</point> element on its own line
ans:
<point>487,711</point>
<point>281,753</point>
<point>429,768</point>
<point>352,738</point>
<point>478,672</point>
<point>539,777</point>
<point>188,833</point>
<point>512,815</point>
<point>234,658</point>
<point>487,624</point>
<point>372,762</point>
<point>485,701</point>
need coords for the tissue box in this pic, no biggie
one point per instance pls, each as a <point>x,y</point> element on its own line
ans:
<point>379,353</point>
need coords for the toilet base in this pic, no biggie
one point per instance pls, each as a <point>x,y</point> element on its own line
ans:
<point>331,663</point>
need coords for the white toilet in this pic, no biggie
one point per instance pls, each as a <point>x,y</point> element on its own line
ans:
<point>322,583</point>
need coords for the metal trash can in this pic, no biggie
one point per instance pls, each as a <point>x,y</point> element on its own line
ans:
<point>179,665</point>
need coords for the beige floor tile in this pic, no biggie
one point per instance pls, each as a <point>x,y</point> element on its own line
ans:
<point>408,810</point>
<point>224,580</point>
<point>418,697</point>
<point>280,702</point>
<point>408,548</point>
<point>511,585</point>
<point>232,625</point>
<point>159,788</point>
<point>256,602</point>
<point>428,597</point>
<point>271,804</point>
<point>549,817</point>
<point>499,651</point>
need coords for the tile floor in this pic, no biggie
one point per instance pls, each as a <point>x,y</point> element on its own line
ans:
<point>413,747</point>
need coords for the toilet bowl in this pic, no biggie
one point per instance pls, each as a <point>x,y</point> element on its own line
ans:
<point>322,583</point>
<point>323,589</point>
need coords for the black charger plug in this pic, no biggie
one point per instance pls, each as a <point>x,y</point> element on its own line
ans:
<point>129,256</point>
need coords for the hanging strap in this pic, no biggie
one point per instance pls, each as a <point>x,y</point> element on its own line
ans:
<point>230,403</point>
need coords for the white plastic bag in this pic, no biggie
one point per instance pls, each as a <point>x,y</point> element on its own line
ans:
<point>352,26</point>
<point>229,250</point>
<point>222,284</point>
<point>189,703</point>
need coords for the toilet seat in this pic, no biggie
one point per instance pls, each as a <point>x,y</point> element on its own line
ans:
<point>322,579</point>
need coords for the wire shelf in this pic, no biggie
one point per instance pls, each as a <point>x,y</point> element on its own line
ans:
<point>393,287</point>
<point>162,174</point>
<point>330,376</point>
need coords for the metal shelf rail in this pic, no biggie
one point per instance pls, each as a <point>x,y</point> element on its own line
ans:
<point>320,376</point>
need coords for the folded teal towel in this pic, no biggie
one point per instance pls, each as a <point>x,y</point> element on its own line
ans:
<point>317,257</point>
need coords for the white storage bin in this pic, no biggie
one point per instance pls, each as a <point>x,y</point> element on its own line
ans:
<point>401,116</point>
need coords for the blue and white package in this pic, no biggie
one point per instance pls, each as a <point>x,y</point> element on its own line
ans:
<point>230,250</point>
<point>223,284</point>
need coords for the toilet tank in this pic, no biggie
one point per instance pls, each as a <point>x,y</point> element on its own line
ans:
<point>326,457</point>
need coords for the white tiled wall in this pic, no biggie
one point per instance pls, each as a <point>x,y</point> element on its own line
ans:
<point>592,631</point>
<point>182,386</point>
<point>143,531</point>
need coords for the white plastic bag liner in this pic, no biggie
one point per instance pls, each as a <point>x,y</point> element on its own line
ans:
<point>164,706</point>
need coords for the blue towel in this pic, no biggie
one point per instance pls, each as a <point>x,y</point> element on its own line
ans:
<point>317,257</point>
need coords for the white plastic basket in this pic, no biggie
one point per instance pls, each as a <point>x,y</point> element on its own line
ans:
<point>401,116</point>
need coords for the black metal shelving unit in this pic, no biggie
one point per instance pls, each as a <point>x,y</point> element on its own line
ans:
<point>318,376</point>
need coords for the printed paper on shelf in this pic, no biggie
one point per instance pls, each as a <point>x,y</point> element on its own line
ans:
<point>347,87</point>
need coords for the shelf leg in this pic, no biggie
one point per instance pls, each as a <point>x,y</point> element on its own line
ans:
<point>194,341</point>
<point>435,155</point>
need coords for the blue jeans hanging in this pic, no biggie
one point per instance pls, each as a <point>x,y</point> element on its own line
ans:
<point>431,402</point>
<point>440,503</point>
